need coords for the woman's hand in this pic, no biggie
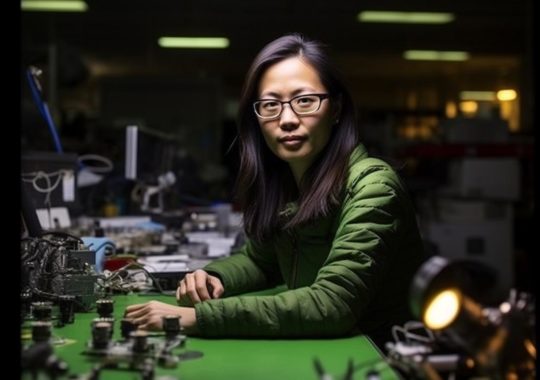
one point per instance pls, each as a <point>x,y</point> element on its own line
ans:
<point>197,287</point>
<point>147,316</point>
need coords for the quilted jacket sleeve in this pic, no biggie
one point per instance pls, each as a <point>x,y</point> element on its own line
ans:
<point>368,231</point>
<point>251,268</point>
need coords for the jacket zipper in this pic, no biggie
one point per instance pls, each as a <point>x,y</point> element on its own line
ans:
<point>295,259</point>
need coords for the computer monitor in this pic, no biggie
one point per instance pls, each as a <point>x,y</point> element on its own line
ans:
<point>148,153</point>
<point>132,138</point>
<point>150,161</point>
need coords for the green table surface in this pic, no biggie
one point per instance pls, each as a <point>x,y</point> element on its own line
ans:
<point>231,358</point>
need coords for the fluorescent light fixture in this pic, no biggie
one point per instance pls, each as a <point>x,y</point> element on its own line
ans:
<point>468,107</point>
<point>406,17</point>
<point>54,6</point>
<point>506,95</point>
<point>480,96</point>
<point>434,55</point>
<point>194,42</point>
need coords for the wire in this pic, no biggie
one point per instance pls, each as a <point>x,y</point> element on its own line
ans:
<point>105,244</point>
<point>142,268</point>
<point>50,187</point>
<point>406,333</point>
<point>107,164</point>
<point>31,74</point>
<point>62,234</point>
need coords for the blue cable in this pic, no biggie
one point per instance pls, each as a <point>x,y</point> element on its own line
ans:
<point>44,110</point>
<point>35,91</point>
<point>52,128</point>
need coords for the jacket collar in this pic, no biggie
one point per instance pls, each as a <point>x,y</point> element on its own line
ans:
<point>358,154</point>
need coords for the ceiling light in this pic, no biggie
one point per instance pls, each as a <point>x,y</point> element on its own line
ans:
<point>506,95</point>
<point>194,42</point>
<point>54,6</point>
<point>477,95</point>
<point>434,55</point>
<point>406,17</point>
<point>450,109</point>
<point>468,107</point>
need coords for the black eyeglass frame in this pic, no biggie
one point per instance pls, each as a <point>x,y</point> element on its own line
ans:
<point>321,97</point>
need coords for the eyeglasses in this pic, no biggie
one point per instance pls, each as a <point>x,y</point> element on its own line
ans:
<point>301,105</point>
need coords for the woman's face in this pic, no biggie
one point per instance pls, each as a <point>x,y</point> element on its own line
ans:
<point>296,139</point>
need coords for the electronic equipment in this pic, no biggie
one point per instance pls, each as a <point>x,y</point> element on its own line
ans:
<point>58,264</point>
<point>458,334</point>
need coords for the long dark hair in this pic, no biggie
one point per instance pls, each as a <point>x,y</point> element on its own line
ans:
<point>265,183</point>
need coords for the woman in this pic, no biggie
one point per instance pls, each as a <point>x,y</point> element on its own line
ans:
<point>332,224</point>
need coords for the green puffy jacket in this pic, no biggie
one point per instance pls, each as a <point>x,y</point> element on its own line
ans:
<point>346,272</point>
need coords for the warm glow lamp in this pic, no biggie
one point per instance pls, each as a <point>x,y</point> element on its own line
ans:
<point>499,339</point>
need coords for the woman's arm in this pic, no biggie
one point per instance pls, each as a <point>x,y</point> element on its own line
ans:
<point>368,232</point>
<point>148,316</point>
<point>251,268</point>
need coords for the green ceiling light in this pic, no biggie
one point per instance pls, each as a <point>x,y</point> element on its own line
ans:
<point>54,6</point>
<point>194,42</point>
<point>406,17</point>
<point>486,96</point>
<point>434,55</point>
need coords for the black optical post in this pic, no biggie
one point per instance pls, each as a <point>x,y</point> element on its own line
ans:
<point>28,213</point>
